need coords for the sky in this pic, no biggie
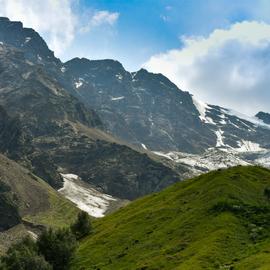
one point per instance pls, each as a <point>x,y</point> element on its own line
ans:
<point>218,50</point>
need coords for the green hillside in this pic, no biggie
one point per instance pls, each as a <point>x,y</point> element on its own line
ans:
<point>27,203</point>
<point>220,220</point>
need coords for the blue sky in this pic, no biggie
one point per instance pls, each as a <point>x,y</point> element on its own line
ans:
<point>148,27</point>
<point>216,49</point>
<point>143,27</point>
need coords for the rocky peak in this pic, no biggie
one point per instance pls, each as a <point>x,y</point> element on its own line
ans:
<point>26,39</point>
<point>265,117</point>
<point>81,67</point>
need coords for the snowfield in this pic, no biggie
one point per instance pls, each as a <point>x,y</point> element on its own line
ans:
<point>212,159</point>
<point>84,196</point>
<point>247,146</point>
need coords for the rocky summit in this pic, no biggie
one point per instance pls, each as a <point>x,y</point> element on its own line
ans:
<point>151,112</point>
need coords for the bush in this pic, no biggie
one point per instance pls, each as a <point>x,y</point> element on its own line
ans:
<point>57,247</point>
<point>53,249</point>
<point>24,256</point>
<point>82,227</point>
<point>267,193</point>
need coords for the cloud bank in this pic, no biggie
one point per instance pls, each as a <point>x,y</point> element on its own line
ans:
<point>58,21</point>
<point>230,67</point>
<point>99,18</point>
<point>54,19</point>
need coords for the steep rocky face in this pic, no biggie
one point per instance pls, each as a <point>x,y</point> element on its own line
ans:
<point>17,142</point>
<point>144,109</point>
<point>49,99</point>
<point>38,107</point>
<point>27,88</point>
<point>148,110</point>
<point>27,40</point>
<point>12,137</point>
<point>265,117</point>
<point>116,169</point>
<point>139,107</point>
<point>34,96</point>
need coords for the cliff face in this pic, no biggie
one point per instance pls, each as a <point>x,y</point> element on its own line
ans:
<point>43,117</point>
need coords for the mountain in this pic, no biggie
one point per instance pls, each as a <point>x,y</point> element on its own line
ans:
<point>265,117</point>
<point>26,39</point>
<point>218,220</point>
<point>149,111</point>
<point>28,204</point>
<point>142,108</point>
<point>55,132</point>
<point>82,112</point>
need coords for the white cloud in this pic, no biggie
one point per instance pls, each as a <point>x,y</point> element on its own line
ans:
<point>102,17</point>
<point>52,18</point>
<point>58,21</point>
<point>229,67</point>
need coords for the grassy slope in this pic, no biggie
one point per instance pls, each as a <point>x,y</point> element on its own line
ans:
<point>60,213</point>
<point>37,201</point>
<point>218,220</point>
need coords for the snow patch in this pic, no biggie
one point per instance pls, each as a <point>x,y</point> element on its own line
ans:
<point>166,155</point>
<point>248,146</point>
<point>39,57</point>
<point>133,75</point>
<point>26,75</point>
<point>222,121</point>
<point>202,108</point>
<point>79,83</point>
<point>119,77</point>
<point>117,98</point>
<point>63,69</point>
<point>87,199</point>
<point>143,145</point>
<point>27,39</point>
<point>219,138</point>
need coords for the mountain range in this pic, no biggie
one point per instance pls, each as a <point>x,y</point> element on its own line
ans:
<point>103,136</point>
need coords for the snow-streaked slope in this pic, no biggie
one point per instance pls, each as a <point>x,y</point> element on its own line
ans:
<point>219,138</point>
<point>85,197</point>
<point>248,146</point>
<point>212,159</point>
<point>252,119</point>
<point>205,110</point>
<point>202,108</point>
<point>263,160</point>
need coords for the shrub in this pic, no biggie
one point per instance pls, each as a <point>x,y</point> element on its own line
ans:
<point>24,256</point>
<point>82,227</point>
<point>267,193</point>
<point>57,247</point>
